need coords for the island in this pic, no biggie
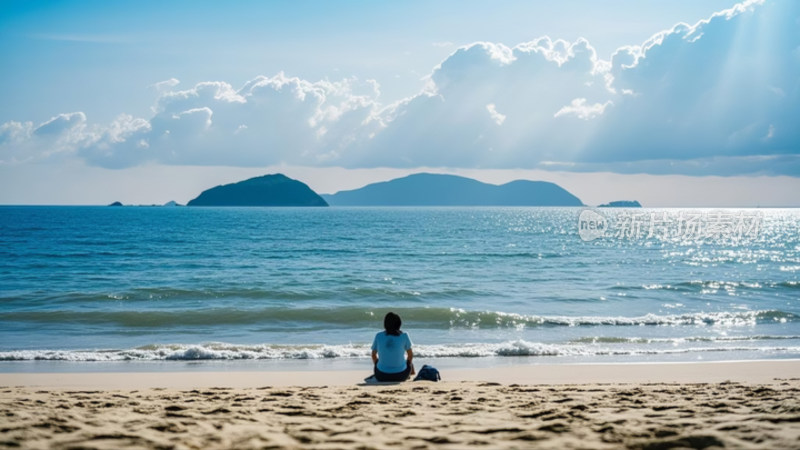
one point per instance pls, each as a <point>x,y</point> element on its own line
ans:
<point>267,190</point>
<point>621,204</point>
<point>428,189</point>
<point>116,204</point>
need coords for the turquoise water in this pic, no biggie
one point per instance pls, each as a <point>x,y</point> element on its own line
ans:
<point>175,284</point>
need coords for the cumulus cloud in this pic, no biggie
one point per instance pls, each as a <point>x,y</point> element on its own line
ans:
<point>15,142</point>
<point>448,125</point>
<point>717,97</point>
<point>496,116</point>
<point>725,87</point>
<point>166,85</point>
<point>581,110</point>
<point>709,90</point>
<point>269,120</point>
<point>15,132</point>
<point>56,137</point>
<point>61,123</point>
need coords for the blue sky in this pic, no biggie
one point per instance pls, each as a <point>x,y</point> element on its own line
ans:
<point>149,101</point>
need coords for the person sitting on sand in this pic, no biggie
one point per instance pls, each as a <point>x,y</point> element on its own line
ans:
<point>387,351</point>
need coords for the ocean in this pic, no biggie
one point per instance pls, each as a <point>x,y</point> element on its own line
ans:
<point>481,286</point>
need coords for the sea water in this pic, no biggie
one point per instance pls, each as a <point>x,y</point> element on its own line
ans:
<point>88,284</point>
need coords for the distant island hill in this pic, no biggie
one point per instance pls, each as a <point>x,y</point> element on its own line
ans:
<point>621,204</point>
<point>427,189</point>
<point>267,190</point>
<point>421,189</point>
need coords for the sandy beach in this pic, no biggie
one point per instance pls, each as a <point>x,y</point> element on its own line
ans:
<point>648,406</point>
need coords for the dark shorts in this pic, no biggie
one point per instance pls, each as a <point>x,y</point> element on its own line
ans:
<point>399,376</point>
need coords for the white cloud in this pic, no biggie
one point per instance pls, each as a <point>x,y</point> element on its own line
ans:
<point>496,116</point>
<point>15,142</point>
<point>15,132</point>
<point>61,123</point>
<point>725,87</point>
<point>770,133</point>
<point>57,137</point>
<point>705,91</point>
<point>581,110</point>
<point>268,120</point>
<point>166,85</point>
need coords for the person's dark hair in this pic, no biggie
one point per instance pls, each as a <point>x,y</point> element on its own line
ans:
<point>392,324</point>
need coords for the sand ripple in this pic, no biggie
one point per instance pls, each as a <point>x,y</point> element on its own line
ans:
<point>411,415</point>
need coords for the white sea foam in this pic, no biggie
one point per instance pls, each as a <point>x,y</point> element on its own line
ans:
<point>219,351</point>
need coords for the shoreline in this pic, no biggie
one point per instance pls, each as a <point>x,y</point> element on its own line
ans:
<point>749,371</point>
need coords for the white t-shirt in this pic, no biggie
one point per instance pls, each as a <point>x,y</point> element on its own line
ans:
<point>391,351</point>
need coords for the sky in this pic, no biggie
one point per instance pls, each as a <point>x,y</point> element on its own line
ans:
<point>673,103</point>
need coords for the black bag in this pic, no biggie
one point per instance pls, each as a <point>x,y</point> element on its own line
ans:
<point>428,373</point>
